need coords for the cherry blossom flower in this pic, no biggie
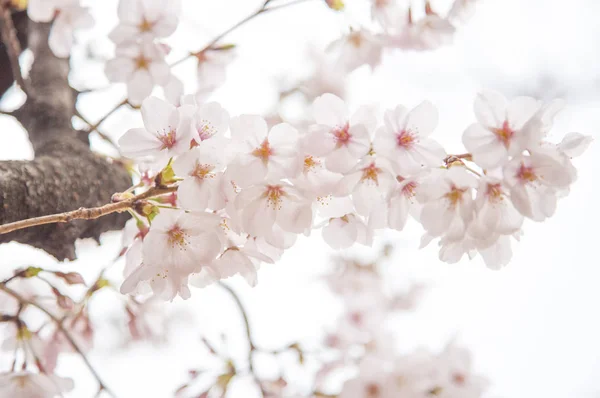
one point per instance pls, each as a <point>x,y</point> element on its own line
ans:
<point>260,153</point>
<point>141,66</point>
<point>33,385</point>
<point>369,183</point>
<point>201,169</point>
<point>341,140</point>
<point>495,210</point>
<point>68,16</point>
<point>212,70</point>
<point>239,260</point>
<point>402,202</point>
<point>167,132</point>
<point>574,144</point>
<point>145,19</point>
<point>343,232</point>
<point>392,15</point>
<point>265,205</point>
<point>461,10</point>
<point>211,122</point>
<point>404,139</point>
<point>177,245</point>
<point>357,48</point>
<point>535,182</point>
<point>499,131</point>
<point>447,202</point>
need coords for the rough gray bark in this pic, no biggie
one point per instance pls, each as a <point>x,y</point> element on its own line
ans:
<point>65,173</point>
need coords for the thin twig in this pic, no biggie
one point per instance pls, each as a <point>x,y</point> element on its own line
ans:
<point>101,134</point>
<point>85,213</point>
<point>264,9</point>
<point>67,335</point>
<point>13,48</point>
<point>249,336</point>
<point>94,127</point>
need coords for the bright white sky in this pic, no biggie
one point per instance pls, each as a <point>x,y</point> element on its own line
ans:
<point>533,327</point>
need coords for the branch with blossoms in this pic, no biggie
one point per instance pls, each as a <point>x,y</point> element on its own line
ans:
<point>215,196</point>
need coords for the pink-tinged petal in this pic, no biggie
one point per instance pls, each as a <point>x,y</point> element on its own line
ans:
<point>319,141</point>
<point>193,194</point>
<point>139,86</point>
<point>160,72</point>
<point>280,239</point>
<point>211,120</point>
<point>366,116</point>
<point>258,217</point>
<point>423,119</point>
<point>295,217</point>
<point>476,136</point>
<point>491,155</point>
<point>367,196</point>
<point>173,90</point>
<point>340,234</point>
<point>330,111</point>
<point>490,108</point>
<point>61,38</point>
<point>283,134</point>
<point>398,212</point>
<point>428,153</point>
<point>520,110</point>
<point>340,160</point>
<point>141,274</point>
<point>130,11</point>
<point>347,184</point>
<point>158,115</point>
<point>258,255</point>
<point>137,143</point>
<point>250,128</point>
<point>436,217</point>
<point>41,10</point>
<point>551,171</point>
<point>247,170</point>
<point>207,276</point>
<point>497,255</point>
<point>521,200</point>
<point>510,219</point>
<point>165,26</point>
<point>384,142</point>
<point>575,144</point>
<point>360,141</point>
<point>119,69</point>
<point>395,119</point>
<point>123,33</point>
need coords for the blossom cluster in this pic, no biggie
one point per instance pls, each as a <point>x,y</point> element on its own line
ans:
<point>67,16</point>
<point>140,56</point>
<point>246,191</point>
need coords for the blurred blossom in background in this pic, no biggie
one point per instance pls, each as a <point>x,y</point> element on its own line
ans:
<point>531,328</point>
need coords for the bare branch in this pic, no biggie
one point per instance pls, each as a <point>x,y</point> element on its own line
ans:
<point>13,48</point>
<point>23,301</point>
<point>83,213</point>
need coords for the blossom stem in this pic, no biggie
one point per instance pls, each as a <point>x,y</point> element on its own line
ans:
<point>67,335</point>
<point>13,48</point>
<point>94,127</point>
<point>86,213</point>
<point>215,40</point>
<point>249,336</point>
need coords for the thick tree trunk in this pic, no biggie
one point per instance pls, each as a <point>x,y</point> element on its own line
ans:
<point>65,174</point>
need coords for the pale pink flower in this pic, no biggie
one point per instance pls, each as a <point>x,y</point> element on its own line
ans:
<point>145,19</point>
<point>71,16</point>
<point>265,205</point>
<point>141,66</point>
<point>357,48</point>
<point>461,10</point>
<point>313,178</point>
<point>535,181</point>
<point>212,70</point>
<point>447,202</point>
<point>402,202</point>
<point>343,232</point>
<point>239,260</point>
<point>369,183</point>
<point>340,139</point>
<point>259,152</point>
<point>177,245</point>
<point>211,122</point>
<point>167,132</point>
<point>574,144</point>
<point>26,384</point>
<point>495,210</point>
<point>392,15</point>
<point>201,169</point>
<point>404,139</point>
<point>499,132</point>
<point>428,33</point>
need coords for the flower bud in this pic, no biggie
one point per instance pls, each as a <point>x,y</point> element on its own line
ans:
<point>337,5</point>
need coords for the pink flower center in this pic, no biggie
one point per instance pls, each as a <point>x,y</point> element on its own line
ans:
<point>494,192</point>
<point>455,195</point>
<point>342,135</point>
<point>263,151</point>
<point>141,62</point>
<point>205,130</point>
<point>371,172</point>
<point>526,174</point>
<point>310,163</point>
<point>274,195</point>
<point>145,25</point>
<point>168,139</point>
<point>356,39</point>
<point>202,171</point>
<point>372,390</point>
<point>504,134</point>
<point>409,189</point>
<point>176,237</point>
<point>405,139</point>
<point>459,379</point>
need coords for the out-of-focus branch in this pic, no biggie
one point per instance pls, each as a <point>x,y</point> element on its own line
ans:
<point>23,301</point>
<point>13,47</point>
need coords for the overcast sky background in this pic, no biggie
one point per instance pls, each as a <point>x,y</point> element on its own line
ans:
<point>533,327</point>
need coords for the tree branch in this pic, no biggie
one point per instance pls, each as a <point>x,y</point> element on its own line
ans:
<point>23,301</point>
<point>13,47</point>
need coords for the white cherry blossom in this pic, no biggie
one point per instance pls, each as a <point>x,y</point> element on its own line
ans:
<point>141,66</point>
<point>357,48</point>
<point>495,210</point>
<point>404,139</point>
<point>340,139</point>
<point>402,202</point>
<point>212,70</point>
<point>498,133</point>
<point>145,19</point>
<point>25,384</point>
<point>343,232</point>
<point>259,152</point>
<point>167,132</point>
